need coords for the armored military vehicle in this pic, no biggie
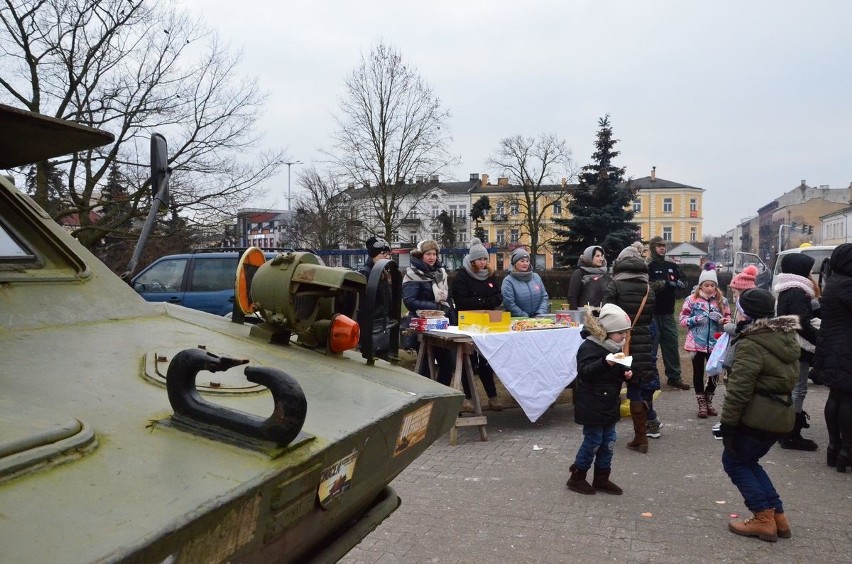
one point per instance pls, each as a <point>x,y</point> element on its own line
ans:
<point>149,432</point>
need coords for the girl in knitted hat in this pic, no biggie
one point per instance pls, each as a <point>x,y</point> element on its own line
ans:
<point>596,397</point>
<point>741,282</point>
<point>523,291</point>
<point>474,287</point>
<point>704,313</point>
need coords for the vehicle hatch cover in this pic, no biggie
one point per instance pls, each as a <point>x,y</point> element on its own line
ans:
<point>34,439</point>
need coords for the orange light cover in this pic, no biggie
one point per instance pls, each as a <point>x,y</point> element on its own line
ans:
<point>344,334</point>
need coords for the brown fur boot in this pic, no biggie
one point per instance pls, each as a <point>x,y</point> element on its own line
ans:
<point>601,482</point>
<point>783,526</point>
<point>639,413</point>
<point>762,526</point>
<point>577,482</point>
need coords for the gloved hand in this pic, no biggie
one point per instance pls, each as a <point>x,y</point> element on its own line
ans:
<point>699,320</point>
<point>715,316</point>
<point>681,283</point>
<point>730,329</point>
<point>672,284</point>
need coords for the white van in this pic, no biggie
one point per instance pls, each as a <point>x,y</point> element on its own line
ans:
<point>765,276</point>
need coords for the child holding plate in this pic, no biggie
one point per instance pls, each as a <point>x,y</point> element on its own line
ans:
<point>601,370</point>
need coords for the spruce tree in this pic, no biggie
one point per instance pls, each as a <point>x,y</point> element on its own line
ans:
<point>600,208</point>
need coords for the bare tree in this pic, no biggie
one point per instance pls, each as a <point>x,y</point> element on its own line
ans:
<point>320,219</point>
<point>392,136</point>
<point>540,168</point>
<point>132,67</point>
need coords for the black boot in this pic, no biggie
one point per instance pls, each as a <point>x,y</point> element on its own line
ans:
<point>577,482</point>
<point>844,459</point>
<point>601,482</point>
<point>794,440</point>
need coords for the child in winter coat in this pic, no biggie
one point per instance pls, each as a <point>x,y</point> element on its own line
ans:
<point>597,399</point>
<point>704,313</point>
<point>758,410</point>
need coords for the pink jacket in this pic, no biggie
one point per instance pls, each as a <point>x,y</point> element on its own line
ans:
<point>701,337</point>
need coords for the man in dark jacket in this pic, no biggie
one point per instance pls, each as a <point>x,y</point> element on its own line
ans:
<point>665,278</point>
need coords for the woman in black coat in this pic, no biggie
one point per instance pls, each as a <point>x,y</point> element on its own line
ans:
<point>833,357</point>
<point>797,295</point>
<point>474,287</point>
<point>628,288</point>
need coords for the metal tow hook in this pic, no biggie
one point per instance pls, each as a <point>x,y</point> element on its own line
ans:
<point>281,427</point>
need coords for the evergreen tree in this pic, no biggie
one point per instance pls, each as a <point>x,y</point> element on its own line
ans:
<point>53,179</point>
<point>600,208</point>
<point>477,214</point>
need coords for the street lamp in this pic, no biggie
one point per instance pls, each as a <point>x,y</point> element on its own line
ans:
<point>289,197</point>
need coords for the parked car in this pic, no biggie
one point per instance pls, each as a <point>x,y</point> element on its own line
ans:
<point>202,280</point>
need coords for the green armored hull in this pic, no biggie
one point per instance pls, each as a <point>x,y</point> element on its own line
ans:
<point>96,466</point>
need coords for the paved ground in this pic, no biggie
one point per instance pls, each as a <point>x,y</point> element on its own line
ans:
<point>505,500</point>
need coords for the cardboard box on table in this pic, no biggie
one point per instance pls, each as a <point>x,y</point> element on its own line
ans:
<point>485,320</point>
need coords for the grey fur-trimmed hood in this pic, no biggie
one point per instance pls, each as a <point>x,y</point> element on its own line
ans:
<point>783,323</point>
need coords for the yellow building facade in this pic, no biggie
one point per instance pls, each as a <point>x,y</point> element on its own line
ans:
<point>662,208</point>
<point>667,209</point>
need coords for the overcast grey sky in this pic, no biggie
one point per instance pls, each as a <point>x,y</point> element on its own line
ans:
<point>742,98</point>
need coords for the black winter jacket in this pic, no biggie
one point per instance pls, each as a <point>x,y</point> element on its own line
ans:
<point>795,301</point>
<point>597,399</point>
<point>587,286</point>
<point>470,293</point>
<point>833,357</point>
<point>627,294</point>
<point>665,278</point>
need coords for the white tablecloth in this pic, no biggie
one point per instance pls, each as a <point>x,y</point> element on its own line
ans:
<point>534,366</point>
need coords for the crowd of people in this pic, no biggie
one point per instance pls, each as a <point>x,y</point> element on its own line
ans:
<point>772,346</point>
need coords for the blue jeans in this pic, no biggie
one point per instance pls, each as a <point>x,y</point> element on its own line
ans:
<point>598,445</point>
<point>748,475</point>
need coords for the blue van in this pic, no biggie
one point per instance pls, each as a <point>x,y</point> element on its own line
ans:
<point>201,280</point>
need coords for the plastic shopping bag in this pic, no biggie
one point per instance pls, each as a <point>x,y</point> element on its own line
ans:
<point>717,356</point>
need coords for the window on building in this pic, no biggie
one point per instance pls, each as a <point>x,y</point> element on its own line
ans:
<point>501,236</point>
<point>461,236</point>
<point>637,206</point>
<point>500,209</point>
<point>693,204</point>
<point>454,210</point>
<point>513,208</point>
<point>435,210</point>
<point>514,235</point>
<point>436,236</point>
<point>667,234</point>
<point>395,236</point>
<point>412,237</point>
<point>693,233</point>
<point>667,205</point>
<point>557,207</point>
